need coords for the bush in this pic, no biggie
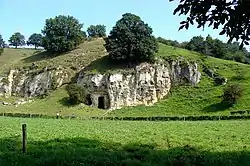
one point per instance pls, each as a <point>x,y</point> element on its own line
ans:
<point>77,94</point>
<point>232,93</point>
<point>131,40</point>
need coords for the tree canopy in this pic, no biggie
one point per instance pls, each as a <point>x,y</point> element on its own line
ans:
<point>97,30</point>
<point>17,39</point>
<point>62,33</point>
<point>1,45</point>
<point>131,39</point>
<point>232,15</point>
<point>35,39</point>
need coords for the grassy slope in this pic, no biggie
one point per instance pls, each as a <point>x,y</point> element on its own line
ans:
<point>199,100</point>
<point>185,100</point>
<point>71,142</point>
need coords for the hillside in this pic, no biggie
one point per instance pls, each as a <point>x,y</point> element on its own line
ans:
<point>184,100</point>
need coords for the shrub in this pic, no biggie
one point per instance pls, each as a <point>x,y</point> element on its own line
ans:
<point>76,93</point>
<point>232,93</point>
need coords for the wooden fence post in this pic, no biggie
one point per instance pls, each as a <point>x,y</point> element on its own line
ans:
<point>24,129</point>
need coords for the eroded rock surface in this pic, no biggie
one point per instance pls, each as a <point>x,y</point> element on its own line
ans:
<point>145,85</point>
<point>30,84</point>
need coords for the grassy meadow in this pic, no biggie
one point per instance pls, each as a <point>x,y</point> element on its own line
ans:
<point>73,142</point>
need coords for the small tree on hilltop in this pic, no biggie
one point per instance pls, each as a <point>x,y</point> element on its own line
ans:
<point>1,45</point>
<point>97,31</point>
<point>35,39</point>
<point>131,39</point>
<point>62,33</point>
<point>17,39</point>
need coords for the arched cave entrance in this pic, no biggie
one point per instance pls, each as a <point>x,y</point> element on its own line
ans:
<point>88,100</point>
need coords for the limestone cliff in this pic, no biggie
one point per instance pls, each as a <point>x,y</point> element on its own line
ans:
<point>146,84</point>
<point>31,83</point>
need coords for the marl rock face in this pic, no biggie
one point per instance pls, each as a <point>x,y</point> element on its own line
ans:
<point>27,84</point>
<point>145,85</point>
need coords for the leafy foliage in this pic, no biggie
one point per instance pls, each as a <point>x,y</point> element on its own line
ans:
<point>233,15</point>
<point>1,45</point>
<point>97,31</point>
<point>62,34</point>
<point>17,39</point>
<point>77,94</point>
<point>218,49</point>
<point>131,39</point>
<point>232,93</point>
<point>196,44</point>
<point>35,39</point>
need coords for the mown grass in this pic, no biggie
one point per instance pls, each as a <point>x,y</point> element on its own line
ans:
<point>203,99</point>
<point>72,142</point>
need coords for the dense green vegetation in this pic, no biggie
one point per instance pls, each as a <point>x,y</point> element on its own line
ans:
<point>72,142</point>
<point>62,34</point>
<point>36,40</point>
<point>212,47</point>
<point>17,39</point>
<point>131,40</point>
<point>96,31</point>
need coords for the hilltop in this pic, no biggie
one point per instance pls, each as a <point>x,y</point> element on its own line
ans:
<point>185,100</point>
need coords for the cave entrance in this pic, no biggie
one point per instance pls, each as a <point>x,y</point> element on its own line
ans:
<point>88,100</point>
<point>101,103</point>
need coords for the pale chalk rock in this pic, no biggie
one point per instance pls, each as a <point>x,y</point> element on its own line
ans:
<point>145,85</point>
<point>26,84</point>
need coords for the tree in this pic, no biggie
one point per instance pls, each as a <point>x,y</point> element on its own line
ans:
<point>131,39</point>
<point>35,39</point>
<point>84,35</point>
<point>232,15</point>
<point>97,31</point>
<point>1,45</point>
<point>197,43</point>
<point>62,33</point>
<point>219,49</point>
<point>17,39</point>
<point>209,45</point>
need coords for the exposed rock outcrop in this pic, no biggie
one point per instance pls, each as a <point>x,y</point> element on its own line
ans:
<point>146,84</point>
<point>31,83</point>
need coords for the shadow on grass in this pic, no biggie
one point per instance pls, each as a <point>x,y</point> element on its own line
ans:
<point>39,56</point>
<point>104,64</point>
<point>217,107</point>
<point>65,101</point>
<point>83,151</point>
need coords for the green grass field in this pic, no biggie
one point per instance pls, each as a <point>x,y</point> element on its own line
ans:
<point>73,142</point>
<point>203,99</point>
